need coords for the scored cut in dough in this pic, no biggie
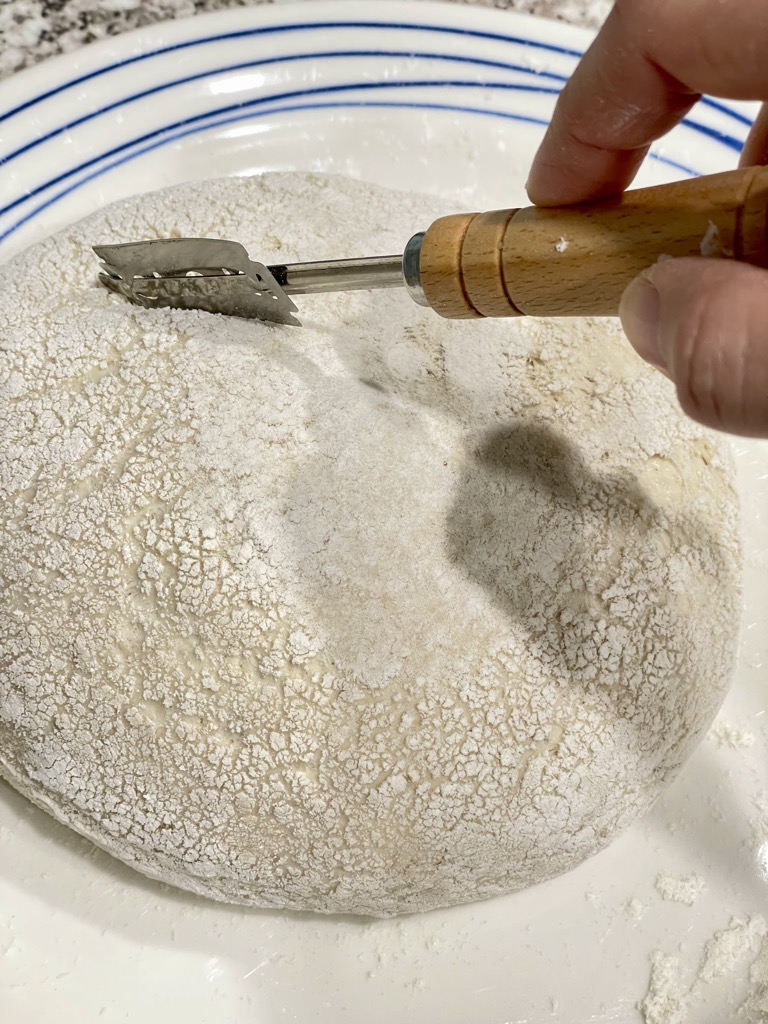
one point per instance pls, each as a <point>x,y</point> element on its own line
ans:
<point>381,614</point>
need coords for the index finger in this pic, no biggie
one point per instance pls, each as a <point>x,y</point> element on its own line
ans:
<point>649,64</point>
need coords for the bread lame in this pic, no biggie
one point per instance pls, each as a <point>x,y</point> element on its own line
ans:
<point>566,261</point>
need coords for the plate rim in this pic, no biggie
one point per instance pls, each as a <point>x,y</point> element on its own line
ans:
<point>51,78</point>
<point>135,39</point>
<point>315,4</point>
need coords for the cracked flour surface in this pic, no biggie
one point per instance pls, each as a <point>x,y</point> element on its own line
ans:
<point>382,614</point>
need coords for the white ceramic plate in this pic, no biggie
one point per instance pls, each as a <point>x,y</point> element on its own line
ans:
<point>448,99</point>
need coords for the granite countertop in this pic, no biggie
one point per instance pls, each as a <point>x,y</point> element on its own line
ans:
<point>31,30</point>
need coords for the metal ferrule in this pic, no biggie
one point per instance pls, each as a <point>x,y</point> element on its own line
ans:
<point>412,269</point>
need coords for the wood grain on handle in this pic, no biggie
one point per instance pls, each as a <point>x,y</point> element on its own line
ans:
<point>577,260</point>
<point>441,265</point>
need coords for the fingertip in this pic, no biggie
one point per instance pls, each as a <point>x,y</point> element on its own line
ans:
<point>713,338</point>
<point>755,151</point>
<point>579,176</point>
<point>545,184</point>
<point>640,315</point>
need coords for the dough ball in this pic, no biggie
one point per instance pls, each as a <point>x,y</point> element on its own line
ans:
<point>378,615</point>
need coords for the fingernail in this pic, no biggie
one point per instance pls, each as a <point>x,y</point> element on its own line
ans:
<point>640,317</point>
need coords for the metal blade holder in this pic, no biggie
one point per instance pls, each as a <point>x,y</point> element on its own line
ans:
<point>217,275</point>
<point>211,274</point>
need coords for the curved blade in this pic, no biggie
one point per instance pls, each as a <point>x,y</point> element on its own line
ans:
<point>212,274</point>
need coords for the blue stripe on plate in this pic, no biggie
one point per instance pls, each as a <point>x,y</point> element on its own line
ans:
<point>261,101</point>
<point>275,29</point>
<point>133,97</point>
<point>125,158</point>
<point>198,119</point>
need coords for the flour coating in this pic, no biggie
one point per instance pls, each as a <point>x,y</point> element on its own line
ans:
<point>381,614</point>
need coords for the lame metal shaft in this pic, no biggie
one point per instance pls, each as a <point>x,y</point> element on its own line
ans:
<point>339,275</point>
<point>218,276</point>
<point>356,275</point>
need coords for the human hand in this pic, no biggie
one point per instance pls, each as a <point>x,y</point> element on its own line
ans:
<point>702,322</point>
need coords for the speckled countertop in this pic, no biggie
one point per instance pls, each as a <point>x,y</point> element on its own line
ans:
<point>31,30</point>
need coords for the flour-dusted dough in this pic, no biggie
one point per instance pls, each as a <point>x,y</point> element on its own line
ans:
<point>381,614</point>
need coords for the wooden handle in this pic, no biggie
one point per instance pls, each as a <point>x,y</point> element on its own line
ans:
<point>577,260</point>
